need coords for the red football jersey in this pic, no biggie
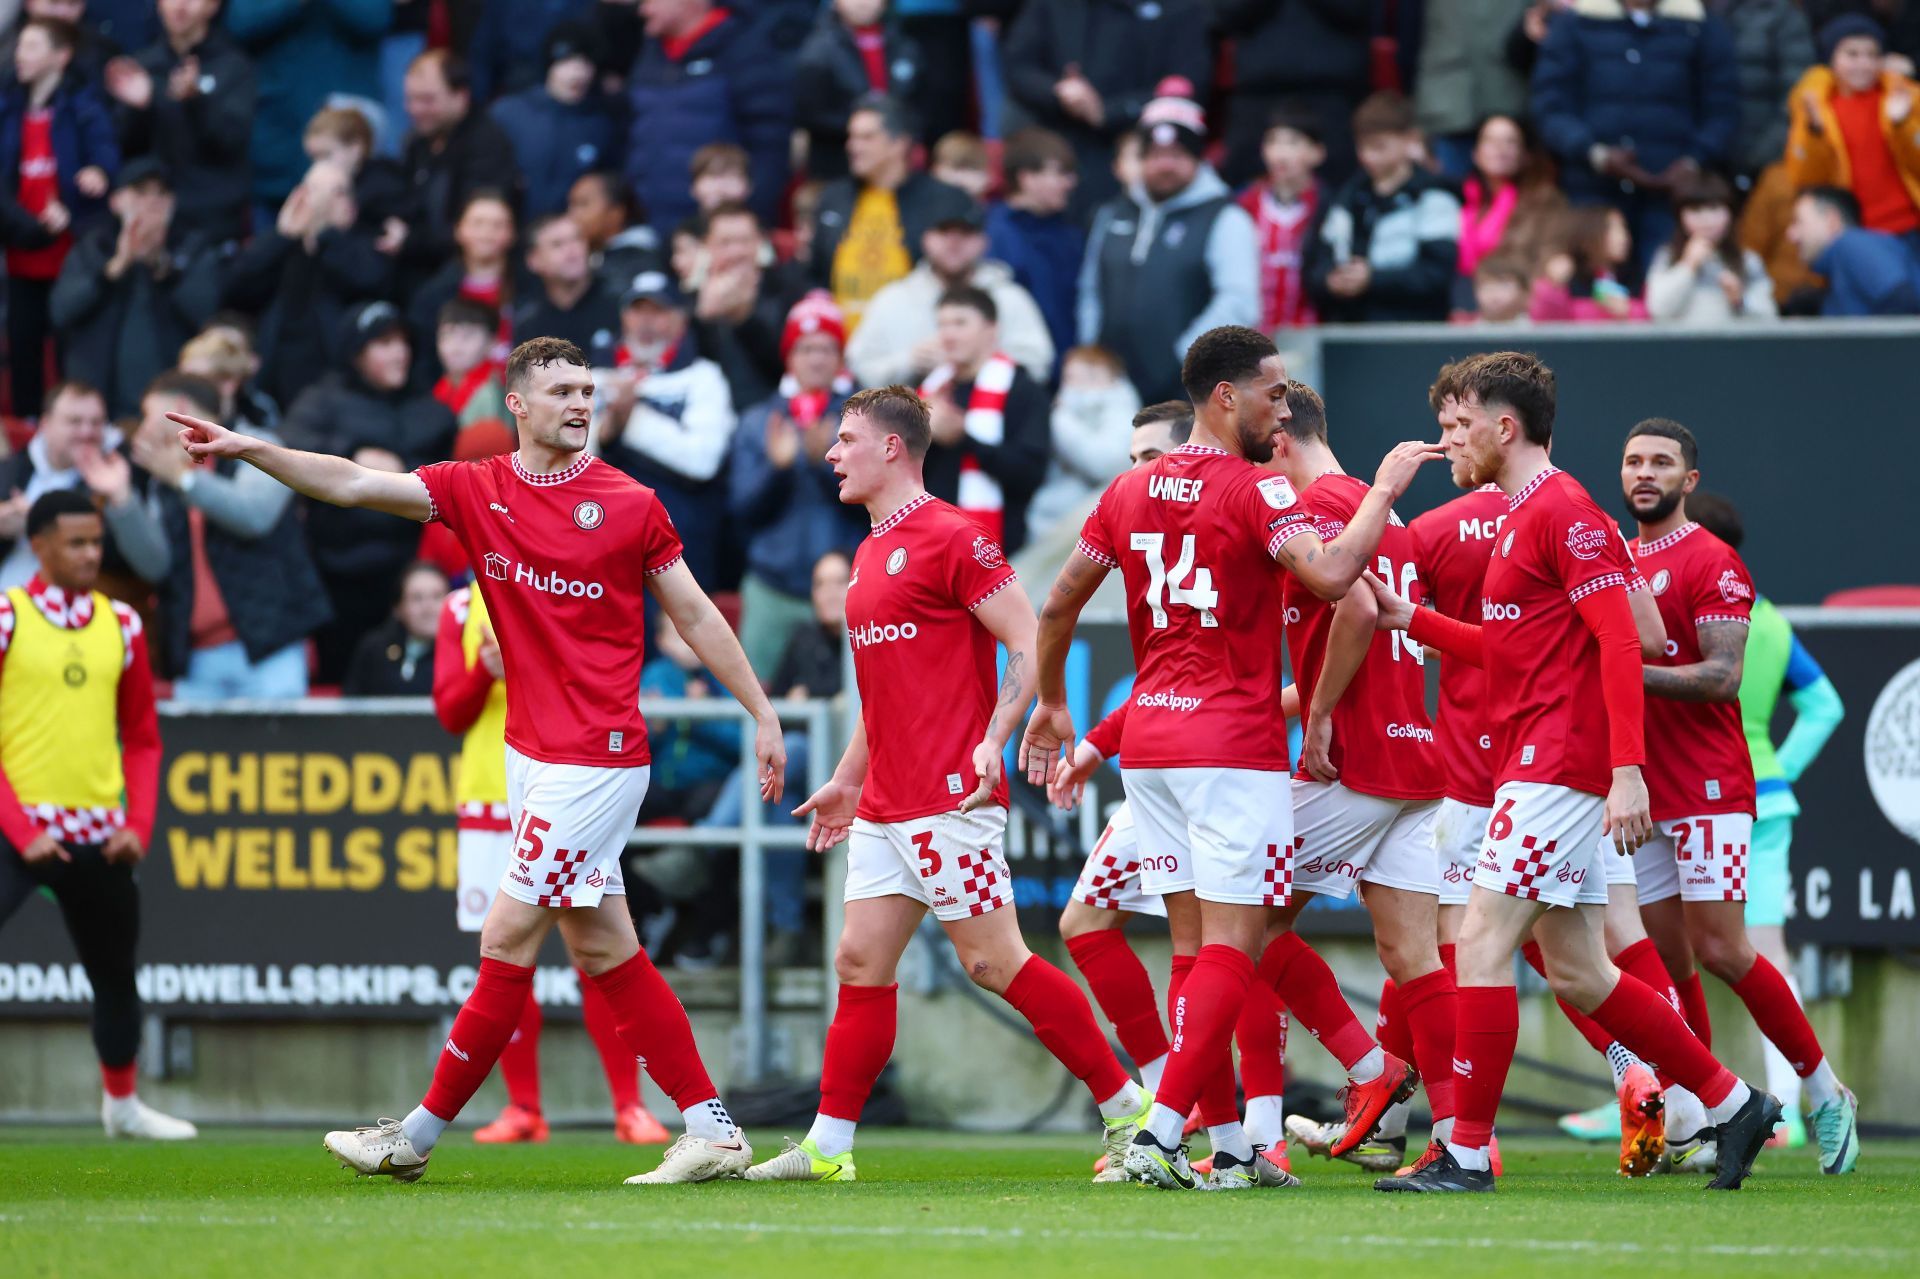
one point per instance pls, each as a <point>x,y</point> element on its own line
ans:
<point>924,663</point>
<point>565,558</point>
<point>1194,534</point>
<point>1451,544</point>
<point>1105,736</point>
<point>1549,719</point>
<point>1697,758</point>
<point>1382,739</point>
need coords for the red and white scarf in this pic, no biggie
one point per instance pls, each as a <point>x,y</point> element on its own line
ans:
<point>806,407</point>
<point>985,421</point>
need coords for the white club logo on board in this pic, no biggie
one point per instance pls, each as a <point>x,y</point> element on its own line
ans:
<point>1506,546</point>
<point>589,515</point>
<point>896,561</point>
<point>1661,581</point>
<point>1893,751</point>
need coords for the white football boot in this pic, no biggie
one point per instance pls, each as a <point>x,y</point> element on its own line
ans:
<point>692,1158</point>
<point>380,1151</point>
<point>131,1117</point>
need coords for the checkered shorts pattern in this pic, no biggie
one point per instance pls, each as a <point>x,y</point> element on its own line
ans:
<point>567,863</point>
<point>1530,867</point>
<point>982,886</point>
<point>80,825</point>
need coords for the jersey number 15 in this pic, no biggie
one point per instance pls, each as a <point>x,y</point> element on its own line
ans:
<point>1172,586</point>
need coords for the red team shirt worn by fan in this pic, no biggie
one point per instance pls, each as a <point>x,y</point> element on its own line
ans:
<point>924,662</point>
<point>1451,544</point>
<point>565,557</point>
<point>1382,739</point>
<point>1548,716</point>
<point>1697,759</point>
<point>1194,534</point>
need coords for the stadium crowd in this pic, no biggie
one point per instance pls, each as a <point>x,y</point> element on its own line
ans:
<point>326,222</point>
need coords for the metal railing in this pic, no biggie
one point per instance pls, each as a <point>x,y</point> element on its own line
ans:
<point>753,837</point>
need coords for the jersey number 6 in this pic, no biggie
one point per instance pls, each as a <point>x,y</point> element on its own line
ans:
<point>1172,586</point>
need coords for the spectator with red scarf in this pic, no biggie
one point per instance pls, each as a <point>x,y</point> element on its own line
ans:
<point>781,493</point>
<point>1283,206</point>
<point>992,425</point>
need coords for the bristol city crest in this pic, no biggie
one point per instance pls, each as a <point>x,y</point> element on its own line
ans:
<point>1661,581</point>
<point>589,515</point>
<point>896,561</point>
<point>988,552</point>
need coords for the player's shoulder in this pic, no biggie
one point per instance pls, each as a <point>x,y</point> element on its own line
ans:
<point>130,624</point>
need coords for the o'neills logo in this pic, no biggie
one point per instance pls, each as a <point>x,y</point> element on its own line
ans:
<point>1493,611</point>
<point>502,569</point>
<point>875,633</point>
<point>1585,542</point>
<point>1413,732</point>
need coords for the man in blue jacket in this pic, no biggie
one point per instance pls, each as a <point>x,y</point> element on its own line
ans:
<point>304,52</point>
<point>1867,273</point>
<point>562,128</point>
<point>1632,97</point>
<point>704,75</point>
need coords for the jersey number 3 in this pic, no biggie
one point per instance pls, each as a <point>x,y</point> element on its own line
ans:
<point>1165,589</point>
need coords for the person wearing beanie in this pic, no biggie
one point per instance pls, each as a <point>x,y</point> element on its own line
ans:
<point>1170,259</point>
<point>563,127</point>
<point>781,493</point>
<point>1854,126</point>
<point>364,410</point>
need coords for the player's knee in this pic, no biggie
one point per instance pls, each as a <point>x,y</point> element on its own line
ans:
<point>1406,958</point>
<point>987,967</point>
<point>1583,989</point>
<point>857,965</point>
<point>1727,958</point>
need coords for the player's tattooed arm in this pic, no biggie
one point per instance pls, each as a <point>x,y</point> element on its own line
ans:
<point>1348,638</point>
<point>1014,680</point>
<point>1051,727</point>
<point>1715,677</point>
<point>1009,617</point>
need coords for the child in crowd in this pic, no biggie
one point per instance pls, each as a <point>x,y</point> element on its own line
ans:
<point>1283,206</point>
<point>1127,153</point>
<point>720,176</point>
<point>471,381</point>
<point>1853,126</point>
<point>1580,278</point>
<point>1703,275</point>
<point>960,159</point>
<point>1092,424</point>
<point>1388,244</point>
<point>1500,287</point>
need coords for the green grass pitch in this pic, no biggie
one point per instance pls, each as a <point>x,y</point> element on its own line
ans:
<point>273,1206</point>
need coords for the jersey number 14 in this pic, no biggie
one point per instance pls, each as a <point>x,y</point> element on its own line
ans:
<point>1167,588</point>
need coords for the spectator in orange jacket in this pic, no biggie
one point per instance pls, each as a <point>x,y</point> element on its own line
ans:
<point>1854,126</point>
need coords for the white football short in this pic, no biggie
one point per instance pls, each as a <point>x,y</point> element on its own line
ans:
<point>1542,843</point>
<point>1697,859</point>
<point>484,855</point>
<point>951,863</point>
<point>1223,834</point>
<point>1459,830</point>
<point>570,827</point>
<point>1111,878</point>
<point>1342,836</point>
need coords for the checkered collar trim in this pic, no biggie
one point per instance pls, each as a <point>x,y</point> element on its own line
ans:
<point>1533,485</point>
<point>893,521</point>
<point>1488,488</point>
<point>1674,538</point>
<point>580,464</point>
<point>1204,450</point>
<point>70,612</point>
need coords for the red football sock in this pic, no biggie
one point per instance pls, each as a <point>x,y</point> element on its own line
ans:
<point>1203,1018</point>
<point>1693,1005</point>
<point>620,1066</point>
<point>1063,1020</point>
<point>1642,959</point>
<point>118,1081</point>
<point>1779,1015</point>
<point>1261,1033</point>
<point>1482,1056</point>
<point>859,1042</point>
<point>654,1026</point>
<point>1390,1027</point>
<point>1123,990</point>
<point>1307,987</point>
<point>1432,1017</point>
<point>485,1023</point>
<point>520,1059</point>
<point>1649,1027</point>
<point>1446,961</point>
<point>1598,1038</point>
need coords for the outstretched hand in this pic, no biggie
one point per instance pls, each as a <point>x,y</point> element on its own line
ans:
<point>208,439</point>
<point>1049,735</point>
<point>832,808</point>
<point>986,767</point>
<point>1399,466</point>
<point>1396,611</point>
